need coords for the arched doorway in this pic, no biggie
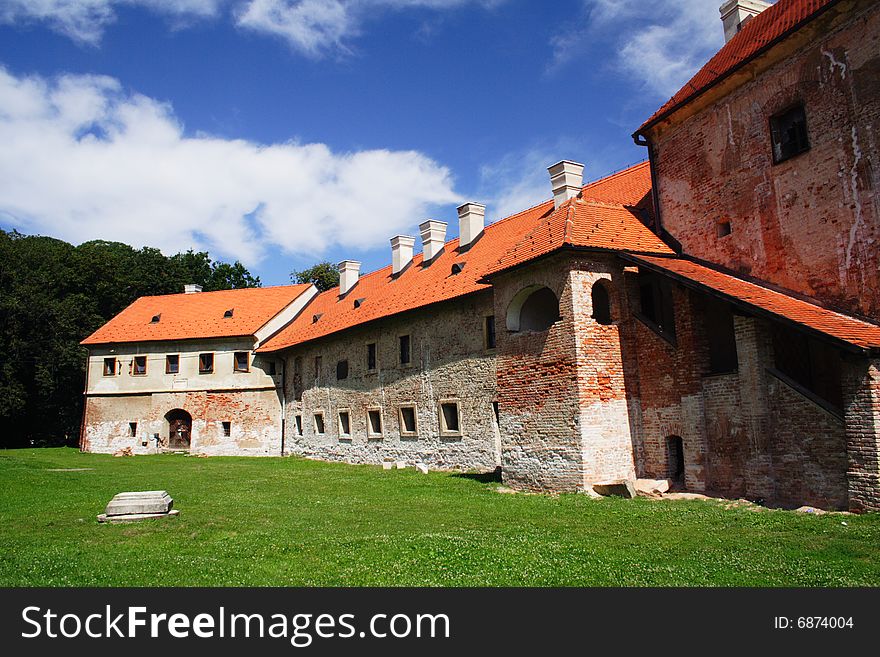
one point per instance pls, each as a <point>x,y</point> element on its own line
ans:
<point>179,429</point>
<point>675,460</point>
<point>534,308</point>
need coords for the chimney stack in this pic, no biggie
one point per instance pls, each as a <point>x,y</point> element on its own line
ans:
<point>566,178</point>
<point>349,271</point>
<point>433,238</point>
<point>735,14</point>
<point>401,252</point>
<point>471,221</point>
<point>192,288</point>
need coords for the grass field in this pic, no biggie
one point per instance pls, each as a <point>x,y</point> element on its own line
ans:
<point>291,522</point>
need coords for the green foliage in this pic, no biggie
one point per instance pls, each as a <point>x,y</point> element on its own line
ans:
<point>52,295</point>
<point>293,522</point>
<point>324,275</point>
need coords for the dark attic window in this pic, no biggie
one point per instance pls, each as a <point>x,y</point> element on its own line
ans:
<point>457,267</point>
<point>228,314</point>
<point>359,302</point>
<point>316,317</point>
<point>155,319</point>
<point>788,132</point>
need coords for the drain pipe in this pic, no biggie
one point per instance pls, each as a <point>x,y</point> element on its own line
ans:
<point>283,402</point>
<point>642,140</point>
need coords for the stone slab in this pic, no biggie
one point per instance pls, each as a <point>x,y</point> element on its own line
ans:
<point>620,488</point>
<point>134,517</point>
<point>421,467</point>
<point>139,502</point>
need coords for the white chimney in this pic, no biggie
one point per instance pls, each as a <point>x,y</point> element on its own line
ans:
<point>401,252</point>
<point>433,238</point>
<point>566,178</point>
<point>192,288</point>
<point>735,13</point>
<point>349,270</point>
<point>471,221</point>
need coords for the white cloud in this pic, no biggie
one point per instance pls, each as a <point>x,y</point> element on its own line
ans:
<point>659,44</point>
<point>84,159</point>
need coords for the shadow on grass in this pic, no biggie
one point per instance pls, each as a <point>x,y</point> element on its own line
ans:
<point>482,477</point>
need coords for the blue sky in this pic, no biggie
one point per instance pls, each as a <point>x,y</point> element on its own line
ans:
<point>282,132</point>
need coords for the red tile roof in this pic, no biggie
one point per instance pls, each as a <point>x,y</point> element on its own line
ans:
<point>419,286</point>
<point>200,315</point>
<point>845,328</point>
<point>756,36</point>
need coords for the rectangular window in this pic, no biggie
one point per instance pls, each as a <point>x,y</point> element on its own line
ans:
<point>139,366</point>
<point>371,357</point>
<point>718,324</point>
<point>497,412</point>
<point>341,370</point>
<point>241,361</point>
<point>655,295</point>
<point>344,424</point>
<point>405,355</point>
<point>319,423</point>
<point>810,363</point>
<point>227,429</point>
<point>408,425</point>
<point>132,429</point>
<point>299,425</point>
<point>788,131</point>
<point>318,365</point>
<point>489,331</point>
<point>110,367</point>
<point>172,364</point>
<point>449,419</point>
<point>374,422</point>
<point>206,363</point>
<point>272,368</point>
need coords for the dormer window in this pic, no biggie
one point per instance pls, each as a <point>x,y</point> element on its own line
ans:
<point>359,302</point>
<point>316,317</point>
<point>457,267</point>
<point>228,314</point>
<point>156,318</point>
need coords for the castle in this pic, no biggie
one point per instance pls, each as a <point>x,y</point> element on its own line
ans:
<point>709,316</point>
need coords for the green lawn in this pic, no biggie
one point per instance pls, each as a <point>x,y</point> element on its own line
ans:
<point>291,522</point>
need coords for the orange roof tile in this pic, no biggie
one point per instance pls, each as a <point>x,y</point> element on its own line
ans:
<point>419,286</point>
<point>851,330</point>
<point>200,315</point>
<point>757,35</point>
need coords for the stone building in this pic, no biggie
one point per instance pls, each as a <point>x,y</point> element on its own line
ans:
<point>709,316</point>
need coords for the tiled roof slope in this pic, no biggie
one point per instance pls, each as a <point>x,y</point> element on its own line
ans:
<point>603,216</point>
<point>851,330</point>
<point>419,286</point>
<point>200,315</point>
<point>756,35</point>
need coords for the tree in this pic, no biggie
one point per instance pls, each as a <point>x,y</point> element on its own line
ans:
<point>324,275</point>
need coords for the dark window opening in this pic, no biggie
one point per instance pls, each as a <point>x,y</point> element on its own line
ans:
<point>155,319</point>
<point>675,459</point>
<point>810,363</point>
<point>788,131</point>
<point>490,332</point>
<point>344,423</point>
<point>341,370</point>
<point>601,303</point>
<point>497,412</point>
<point>297,378</point>
<point>374,422</point>
<point>316,317</point>
<point>408,419</point>
<point>457,267</point>
<point>139,366</point>
<point>359,302</point>
<point>371,356</point>
<point>540,311</point>
<point>272,368</point>
<point>720,336</point>
<point>298,420</point>
<point>109,367</point>
<point>723,229</point>
<point>227,314</point>
<point>449,417</point>
<point>172,364</point>
<point>132,429</point>
<point>206,363</point>
<point>319,423</point>
<point>655,295</point>
<point>405,355</point>
<point>227,429</point>
<point>241,361</point>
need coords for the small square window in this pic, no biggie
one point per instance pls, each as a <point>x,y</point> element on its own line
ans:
<point>344,424</point>
<point>405,352</point>
<point>374,422</point>
<point>206,363</point>
<point>319,423</point>
<point>139,366</point>
<point>272,368</point>
<point>241,361</point>
<point>408,426</point>
<point>298,420</point>
<point>109,367</point>
<point>489,331</point>
<point>371,357</point>
<point>132,429</point>
<point>341,370</point>
<point>722,228</point>
<point>227,429</point>
<point>788,132</point>
<point>449,418</point>
<point>172,364</point>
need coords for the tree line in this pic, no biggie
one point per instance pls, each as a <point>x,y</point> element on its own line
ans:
<point>52,296</point>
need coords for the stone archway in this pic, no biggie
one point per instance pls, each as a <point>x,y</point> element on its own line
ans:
<point>179,429</point>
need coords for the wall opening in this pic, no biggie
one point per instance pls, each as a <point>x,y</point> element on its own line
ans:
<point>675,459</point>
<point>374,423</point>
<point>535,308</point>
<point>179,429</point>
<point>601,303</point>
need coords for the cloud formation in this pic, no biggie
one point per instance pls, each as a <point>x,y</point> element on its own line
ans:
<point>85,159</point>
